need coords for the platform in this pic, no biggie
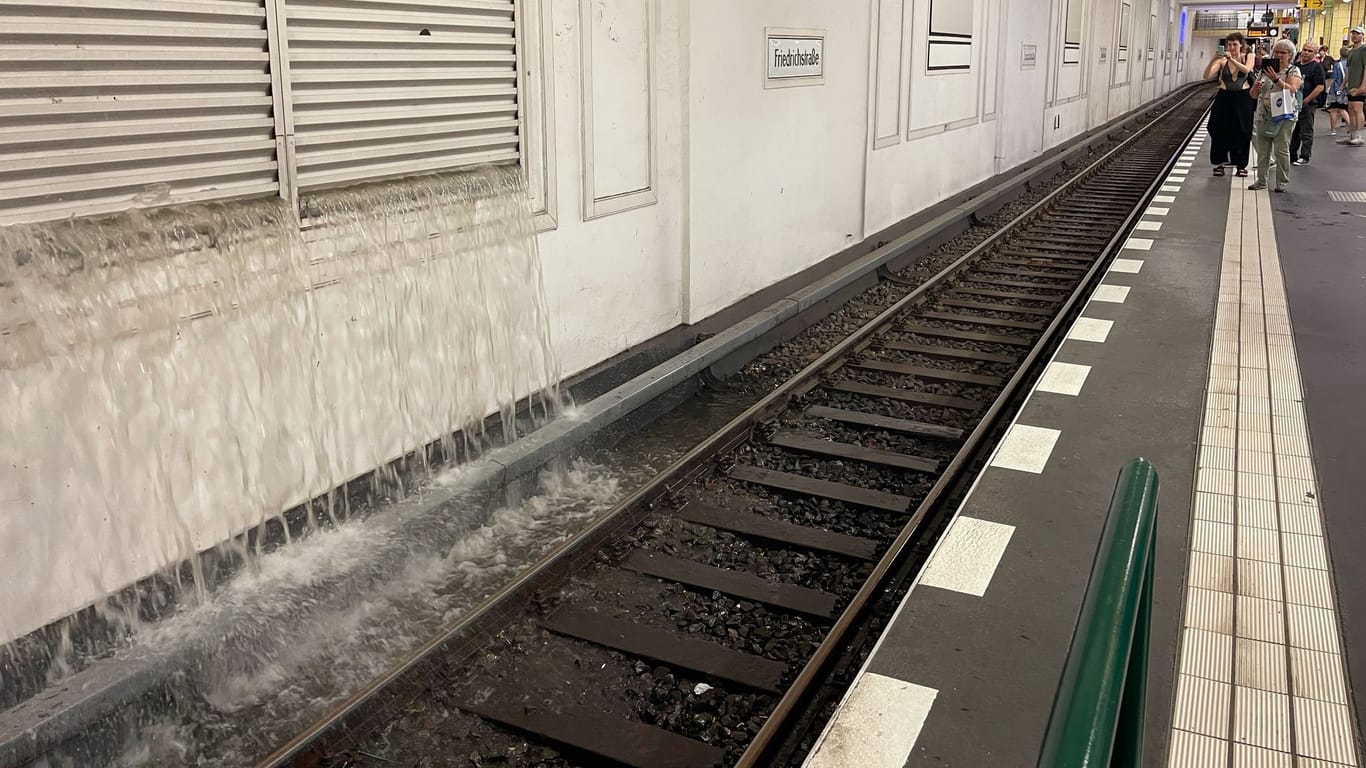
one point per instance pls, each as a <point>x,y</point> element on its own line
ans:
<point>1184,355</point>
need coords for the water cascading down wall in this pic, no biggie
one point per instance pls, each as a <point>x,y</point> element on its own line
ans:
<point>173,378</point>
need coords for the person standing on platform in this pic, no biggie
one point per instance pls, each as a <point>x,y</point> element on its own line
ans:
<point>1230,119</point>
<point>1337,93</point>
<point>1356,88</point>
<point>1311,98</point>
<point>1277,94</point>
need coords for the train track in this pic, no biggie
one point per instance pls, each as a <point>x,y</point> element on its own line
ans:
<point>698,622</point>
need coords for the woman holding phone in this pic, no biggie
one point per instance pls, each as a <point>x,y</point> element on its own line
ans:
<point>1230,120</point>
<point>1279,82</point>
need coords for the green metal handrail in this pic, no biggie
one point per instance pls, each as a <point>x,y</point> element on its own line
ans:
<point>1097,718</point>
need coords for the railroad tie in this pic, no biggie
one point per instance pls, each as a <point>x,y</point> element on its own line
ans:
<point>808,486</point>
<point>778,531</point>
<point>746,586</point>
<point>851,452</point>
<point>951,352</point>
<point>905,395</point>
<point>995,322</point>
<point>672,647</point>
<point>888,423</point>
<point>581,727</point>
<point>989,307</point>
<point>921,372</point>
<point>954,333</point>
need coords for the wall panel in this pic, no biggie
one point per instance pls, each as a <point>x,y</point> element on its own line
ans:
<point>888,72</point>
<point>618,93</point>
<point>536,109</point>
<point>945,71</point>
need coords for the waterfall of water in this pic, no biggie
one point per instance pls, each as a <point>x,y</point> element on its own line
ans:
<point>174,378</point>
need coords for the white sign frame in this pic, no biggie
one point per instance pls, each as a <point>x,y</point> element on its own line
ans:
<point>793,81</point>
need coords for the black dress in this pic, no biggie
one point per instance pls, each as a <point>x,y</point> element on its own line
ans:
<point>1230,119</point>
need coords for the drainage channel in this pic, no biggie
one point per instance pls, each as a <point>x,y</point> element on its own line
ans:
<point>695,623</point>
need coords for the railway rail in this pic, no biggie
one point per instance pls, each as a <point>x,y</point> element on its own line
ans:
<point>699,622</point>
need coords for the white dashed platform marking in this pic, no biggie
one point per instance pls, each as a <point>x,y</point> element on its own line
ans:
<point>1148,226</point>
<point>1156,211</point>
<point>966,558</point>
<point>1063,378</point>
<point>1127,266</point>
<point>1091,329</point>
<point>1026,448</point>
<point>1163,199</point>
<point>1112,294</point>
<point>876,725</point>
<point>1138,244</point>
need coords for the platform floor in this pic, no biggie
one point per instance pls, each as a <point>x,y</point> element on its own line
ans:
<point>1184,355</point>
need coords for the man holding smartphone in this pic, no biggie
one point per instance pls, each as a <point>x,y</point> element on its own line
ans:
<point>1356,89</point>
<point>1311,93</point>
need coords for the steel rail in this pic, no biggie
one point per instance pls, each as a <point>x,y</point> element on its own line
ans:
<point>759,750</point>
<point>491,613</point>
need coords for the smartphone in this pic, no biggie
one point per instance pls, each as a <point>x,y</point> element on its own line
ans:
<point>1221,49</point>
<point>1269,62</point>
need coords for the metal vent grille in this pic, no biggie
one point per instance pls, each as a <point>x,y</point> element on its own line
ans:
<point>389,88</point>
<point>110,104</point>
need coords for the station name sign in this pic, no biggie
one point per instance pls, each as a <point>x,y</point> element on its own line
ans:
<point>794,56</point>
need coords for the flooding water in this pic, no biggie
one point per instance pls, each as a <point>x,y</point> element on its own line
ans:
<point>186,375</point>
<point>245,704</point>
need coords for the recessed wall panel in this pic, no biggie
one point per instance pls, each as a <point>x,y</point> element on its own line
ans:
<point>618,105</point>
<point>887,71</point>
<point>618,56</point>
<point>950,40</point>
<point>951,18</point>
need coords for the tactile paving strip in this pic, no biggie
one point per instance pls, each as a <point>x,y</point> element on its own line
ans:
<point>1347,197</point>
<point>1261,676</point>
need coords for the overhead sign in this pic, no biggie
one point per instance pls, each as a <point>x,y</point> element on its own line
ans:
<point>1313,5</point>
<point>795,57</point>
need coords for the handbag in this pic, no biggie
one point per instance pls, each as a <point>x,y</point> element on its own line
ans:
<point>1283,106</point>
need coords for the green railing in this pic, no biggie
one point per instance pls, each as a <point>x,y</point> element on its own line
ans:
<point>1097,719</point>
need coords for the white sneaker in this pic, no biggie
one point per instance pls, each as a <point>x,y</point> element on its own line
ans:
<point>1332,133</point>
<point>1357,142</point>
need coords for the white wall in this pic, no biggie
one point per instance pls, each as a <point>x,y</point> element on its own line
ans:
<point>668,183</point>
<point>775,173</point>
<point>614,260</point>
<point>1026,98</point>
<point>933,133</point>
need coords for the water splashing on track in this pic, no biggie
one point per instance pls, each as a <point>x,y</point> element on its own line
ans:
<point>186,375</point>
